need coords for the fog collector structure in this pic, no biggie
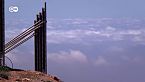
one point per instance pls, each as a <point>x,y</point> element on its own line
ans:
<point>38,30</point>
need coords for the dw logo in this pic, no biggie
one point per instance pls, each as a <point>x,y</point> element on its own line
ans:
<point>13,9</point>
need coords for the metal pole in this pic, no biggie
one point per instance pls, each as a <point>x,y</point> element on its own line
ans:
<point>44,38</point>
<point>2,33</point>
<point>36,44</point>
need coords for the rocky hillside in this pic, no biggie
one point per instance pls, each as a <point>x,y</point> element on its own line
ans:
<point>15,75</point>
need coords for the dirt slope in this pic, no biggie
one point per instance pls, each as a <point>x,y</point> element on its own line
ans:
<point>26,76</point>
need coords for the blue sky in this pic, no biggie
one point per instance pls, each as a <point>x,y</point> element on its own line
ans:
<point>80,8</point>
<point>88,40</point>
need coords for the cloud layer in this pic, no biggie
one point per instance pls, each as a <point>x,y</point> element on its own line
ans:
<point>84,50</point>
<point>68,57</point>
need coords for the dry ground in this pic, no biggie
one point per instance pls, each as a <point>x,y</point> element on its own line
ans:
<point>26,76</point>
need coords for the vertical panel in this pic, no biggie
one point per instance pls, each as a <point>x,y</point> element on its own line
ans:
<point>40,43</point>
<point>44,31</point>
<point>36,47</point>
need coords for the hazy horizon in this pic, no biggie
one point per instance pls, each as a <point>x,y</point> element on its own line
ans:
<point>87,40</point>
